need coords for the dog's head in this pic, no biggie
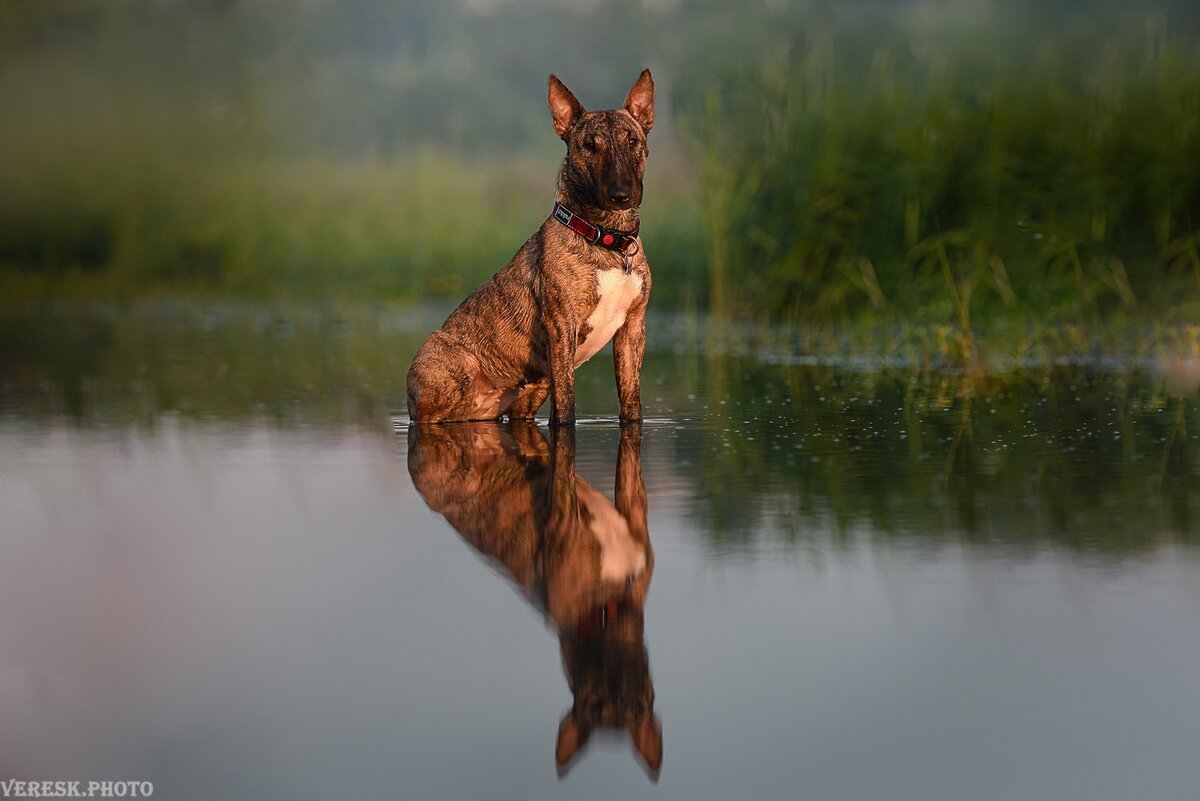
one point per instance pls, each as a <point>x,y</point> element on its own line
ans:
<point>606,150</point>
<point>609,674</point>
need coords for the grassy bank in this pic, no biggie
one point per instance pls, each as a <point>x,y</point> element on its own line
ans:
<point>373,228</point>
<point>987,173</point>
<point>919,168</point>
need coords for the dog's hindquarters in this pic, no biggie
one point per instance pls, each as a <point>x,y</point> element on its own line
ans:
<point>446,382</point>
<point>437,387</point>
<point>487,359</point>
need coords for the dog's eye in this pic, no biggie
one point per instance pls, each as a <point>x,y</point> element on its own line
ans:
<point>632,139</point>
<point>589,144</point>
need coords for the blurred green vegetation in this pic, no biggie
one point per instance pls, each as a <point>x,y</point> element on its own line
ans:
<point>985,166</point>
<point>265,148</point>
<point>1090,460</point>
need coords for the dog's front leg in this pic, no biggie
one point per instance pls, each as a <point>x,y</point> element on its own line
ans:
<point>631,501</point>
<point>630,486</point>
<point>629,345</point>
<point>563,337</point>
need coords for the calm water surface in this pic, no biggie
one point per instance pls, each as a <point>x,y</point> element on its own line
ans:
<point>230,567</point>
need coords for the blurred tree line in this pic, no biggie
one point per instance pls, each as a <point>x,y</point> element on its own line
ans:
<point>916,160</point>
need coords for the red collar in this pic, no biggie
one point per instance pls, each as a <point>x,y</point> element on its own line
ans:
<point>620,241</point>
<point>597,618</point>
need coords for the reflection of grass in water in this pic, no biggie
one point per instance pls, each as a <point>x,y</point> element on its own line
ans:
<point>771,451</point>
<point>237,359</point>
<point>990,347</point>
<point>1100,462</point>
<point>289,364</point>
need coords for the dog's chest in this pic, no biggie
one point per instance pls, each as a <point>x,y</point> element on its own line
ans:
<point>618,291</point>
<point>621,557</point>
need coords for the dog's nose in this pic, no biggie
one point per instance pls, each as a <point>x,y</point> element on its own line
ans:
<point>619,193</point>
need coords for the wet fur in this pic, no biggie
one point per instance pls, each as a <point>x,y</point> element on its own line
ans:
<point>515,341</point>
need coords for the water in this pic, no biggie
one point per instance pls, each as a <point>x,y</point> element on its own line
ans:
<point>232,569</point>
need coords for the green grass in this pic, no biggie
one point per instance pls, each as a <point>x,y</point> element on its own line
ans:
<point>406,229</point>
<point>934,186</point>
<point>954,176</point>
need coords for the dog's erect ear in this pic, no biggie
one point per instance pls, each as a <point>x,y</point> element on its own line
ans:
<point>640,101</point>
<point>648,742</point>
<point>564,108</point>
<point>570,739</point>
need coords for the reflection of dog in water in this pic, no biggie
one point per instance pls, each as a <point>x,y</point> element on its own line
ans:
<point>587,563</point>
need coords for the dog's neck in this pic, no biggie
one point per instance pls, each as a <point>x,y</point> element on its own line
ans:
<point>612,219</point>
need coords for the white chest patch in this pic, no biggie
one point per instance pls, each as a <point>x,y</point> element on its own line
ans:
<point>618,291</point>
<point>620,556</point>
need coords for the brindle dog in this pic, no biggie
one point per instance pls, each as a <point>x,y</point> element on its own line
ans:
<point>518,338</point>
<point>574,554</point>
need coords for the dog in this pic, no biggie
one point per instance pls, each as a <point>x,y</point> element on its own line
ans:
<point>575,556</point>
<point>578,282</point>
